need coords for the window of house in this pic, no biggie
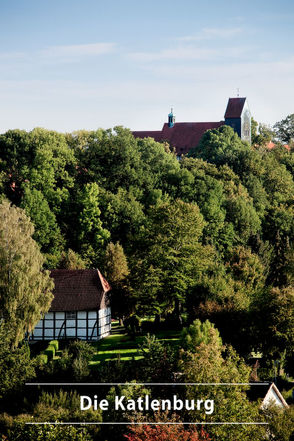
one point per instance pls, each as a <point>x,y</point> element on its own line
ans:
<point>71,315</point>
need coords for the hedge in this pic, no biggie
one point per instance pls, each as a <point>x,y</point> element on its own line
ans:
<point>54,343</point>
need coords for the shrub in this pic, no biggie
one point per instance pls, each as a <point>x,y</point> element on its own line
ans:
<point>81,353</point>
<point>170,432</point>
<point>50,352</point>
<point>16,365</point>
<point>198,333</point>
<point>81,349</point>
<point>133,324</point>
<point>43,358</point>
<point>47,432</point>
<point>54,343</point>
<point>159,361</point>
<point>52,348</point>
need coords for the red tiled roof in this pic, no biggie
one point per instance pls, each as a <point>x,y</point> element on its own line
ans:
<point>78,290</point>
<point>156,134</point>
<point>271,145</point>
<point>234,107</point>
<point>183,136</point>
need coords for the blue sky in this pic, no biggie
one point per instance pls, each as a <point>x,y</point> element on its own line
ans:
<point>69,65</point>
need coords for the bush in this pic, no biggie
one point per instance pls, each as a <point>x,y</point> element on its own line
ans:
<point>16,365</point>
<point>198,333</point>
<point>71,363</point>
<point>47,432</point>
<point>79,348</point>
<point>281,423</point>
<point>54,343</point>
<point>81,353</point>
<point>50,351</point>
<point>43,358</point>
<point>159,361</point>
<point>52,348</point>
<point>133,324</point>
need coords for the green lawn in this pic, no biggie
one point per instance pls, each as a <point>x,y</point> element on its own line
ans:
<point>119,344</point>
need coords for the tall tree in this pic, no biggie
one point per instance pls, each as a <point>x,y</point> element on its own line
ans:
<point>91,234</point>
<point>116,265</point>
<point>211,362</point>
<point>285,129</point>
<point>40,157</point>
<point>261,134</point>
<point>47,232</point>
<point>170,257</point>
<point>25,290</point>
<point>275,322</point>
<point>116,272</point>
<point>71,260</point>
<point>219,146</point>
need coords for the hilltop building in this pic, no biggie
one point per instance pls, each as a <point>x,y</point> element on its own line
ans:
<point>183,136</point>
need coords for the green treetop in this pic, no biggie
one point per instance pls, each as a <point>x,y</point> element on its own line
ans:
<point>25,290</point>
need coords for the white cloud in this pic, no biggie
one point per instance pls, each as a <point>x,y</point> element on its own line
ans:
<point>241,70</point>
<point>212,33</point>
<point>178,53</point>
<point>78,50</point>
<point>7,56</point>
<point>196,47</point>
<point>55,54</point>
<point>189,53</point>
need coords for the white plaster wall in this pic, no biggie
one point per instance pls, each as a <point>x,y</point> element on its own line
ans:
<point>104,321</point>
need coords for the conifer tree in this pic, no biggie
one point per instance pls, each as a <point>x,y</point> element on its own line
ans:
<point>116,272</point>
<point>116,265</point>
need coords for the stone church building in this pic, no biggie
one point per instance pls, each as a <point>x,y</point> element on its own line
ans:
<point>183,136</point>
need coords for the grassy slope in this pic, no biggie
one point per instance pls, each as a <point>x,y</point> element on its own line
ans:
<point>119,344</point>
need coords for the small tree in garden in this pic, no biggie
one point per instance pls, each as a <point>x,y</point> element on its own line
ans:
<point>198,333</point>
<point>166,432</point>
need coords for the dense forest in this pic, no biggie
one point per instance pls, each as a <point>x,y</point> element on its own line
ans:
<point>204,243</point>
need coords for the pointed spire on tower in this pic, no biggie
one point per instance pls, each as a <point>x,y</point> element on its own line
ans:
<point>171,118</point>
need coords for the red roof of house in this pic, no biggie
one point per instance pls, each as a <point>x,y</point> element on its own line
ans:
<point>78,290</point>
<point>235,107</point>
<point>183,136</point>
<point>156,134</point>
<point>186,135</point>
<point>271,145</point>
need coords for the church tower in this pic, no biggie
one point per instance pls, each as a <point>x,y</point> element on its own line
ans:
<point>171,118</point>
<point>238,116</point>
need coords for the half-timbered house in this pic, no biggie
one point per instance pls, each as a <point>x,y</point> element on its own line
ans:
<point>80,307</point>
